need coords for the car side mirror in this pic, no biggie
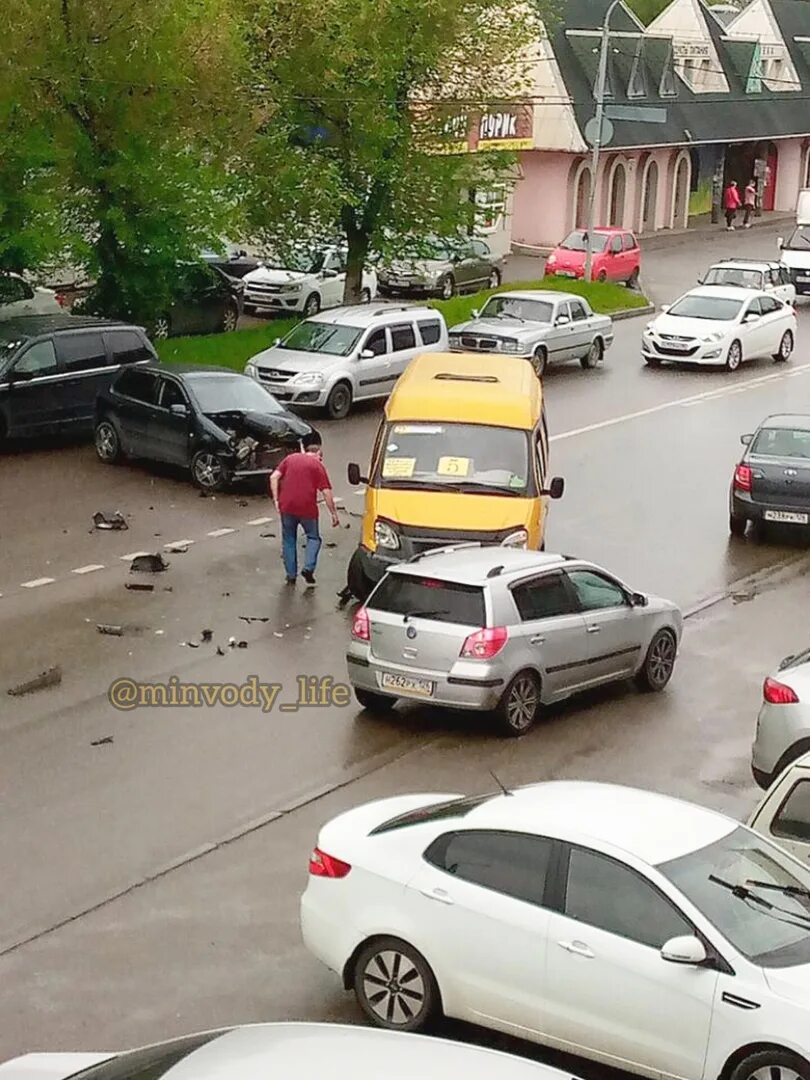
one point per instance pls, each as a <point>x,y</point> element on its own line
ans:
<point>354,476</point>
<point>750,316</point>
<point>684,950</point>
<point>665,308</point>
<point>329,273</point>
<point>701,281</point>
<point>746,439</point>
<point>367,354</point>
<point>277,342</point>
<point>178,410</point>
<point>780,243</point>
<point>638,599</point>
<point>556,488</point>
<point>20,376</point>
<point>562,320</point>
<point>476,314</point>
<point>788,660</point>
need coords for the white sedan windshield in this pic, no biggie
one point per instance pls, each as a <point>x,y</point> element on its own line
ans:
<point>715,308</point>
<point>752,893</point>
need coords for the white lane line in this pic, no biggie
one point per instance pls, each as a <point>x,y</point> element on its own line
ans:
<point>134,555</point>
<point>220,532</point>
<point>260,521</point>
<point>177,543</point>
<point>693,399</point>
<point>35,584</point>
<point>87,569</point>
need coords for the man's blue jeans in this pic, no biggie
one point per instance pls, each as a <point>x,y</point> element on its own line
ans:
<point>289,542</point>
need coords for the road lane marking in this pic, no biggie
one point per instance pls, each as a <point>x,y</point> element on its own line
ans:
<point>692,400</point>
<point>260,521</point>
<point>177,544</point>
<point>35,584</point>
<point>134,555</point>
<point>220,532</point>
<point>87,569</point>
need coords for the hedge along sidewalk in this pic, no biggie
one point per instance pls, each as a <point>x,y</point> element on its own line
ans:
<point>235,349</point>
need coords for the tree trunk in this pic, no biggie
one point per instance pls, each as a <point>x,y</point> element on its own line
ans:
<point>357,240</point>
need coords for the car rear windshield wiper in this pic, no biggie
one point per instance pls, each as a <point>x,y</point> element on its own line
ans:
<point>786,890</point>
<point>423,614</point>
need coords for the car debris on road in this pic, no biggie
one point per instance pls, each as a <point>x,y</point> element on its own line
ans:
<point>44,681</point>
<point>107,522</point>
<point>148,564</point>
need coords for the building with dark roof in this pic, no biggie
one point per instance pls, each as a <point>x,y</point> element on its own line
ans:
<point>695,99</point>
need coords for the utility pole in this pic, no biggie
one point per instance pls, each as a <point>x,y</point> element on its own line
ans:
<point>601,81</point>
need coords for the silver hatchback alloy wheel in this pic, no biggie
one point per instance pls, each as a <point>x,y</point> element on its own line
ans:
<point>520,704</point>
<point>775,1072</point>
<point>659,662</point>
<point>734,358</point>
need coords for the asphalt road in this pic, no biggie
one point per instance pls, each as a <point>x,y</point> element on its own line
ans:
<point>227,794</point>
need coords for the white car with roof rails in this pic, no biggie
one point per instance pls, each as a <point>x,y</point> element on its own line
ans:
<point>306,283</point>
<point>289,1050</point>
<point>721,325</point>
<point>497,628</point>
<point>763,275</point>
<point>626,926</point>
<point>352,354</point>
<point>783,816</point>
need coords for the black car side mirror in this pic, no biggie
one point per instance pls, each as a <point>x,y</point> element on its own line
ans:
<point>20,376</point>
<point>354,476</point>
<point>746,439</point>
<point>556,488</point>
<point>638,599</point>
<point>178,410</point>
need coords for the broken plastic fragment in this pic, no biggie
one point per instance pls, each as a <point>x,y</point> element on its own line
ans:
<point>140,586</point>
<point>110,630</point>
<point>207,635</point>
<point>148,564</point>
<point>43,681</point>
<point>106,521</point>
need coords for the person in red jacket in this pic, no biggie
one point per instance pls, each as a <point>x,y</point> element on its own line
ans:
<point>295,486</point>
<point>731,204</point>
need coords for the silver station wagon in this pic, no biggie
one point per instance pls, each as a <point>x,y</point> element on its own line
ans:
<point>479,627</point>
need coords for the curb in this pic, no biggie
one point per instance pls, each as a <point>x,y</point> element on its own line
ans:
<point>633,313</point>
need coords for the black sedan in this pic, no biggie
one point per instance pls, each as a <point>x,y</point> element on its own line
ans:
<point>772,481</point>
<point>220,425</point>
<point>206,301</point>
<point>231,260</point>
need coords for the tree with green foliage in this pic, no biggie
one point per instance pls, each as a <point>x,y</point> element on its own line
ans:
<point>135,96</point>
<point>356,100</point>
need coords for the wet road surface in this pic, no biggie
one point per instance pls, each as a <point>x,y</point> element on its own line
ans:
<point>647,456</point>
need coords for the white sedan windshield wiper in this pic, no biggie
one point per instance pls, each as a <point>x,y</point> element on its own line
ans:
<point>794,918</point>
<point>787,890</point>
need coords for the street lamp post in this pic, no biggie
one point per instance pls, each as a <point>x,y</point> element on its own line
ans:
<point>601,80</point>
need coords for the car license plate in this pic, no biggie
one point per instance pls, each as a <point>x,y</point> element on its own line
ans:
<point>803,277</point>
<point>406,685</point>
<point>566,273</point>
<point>786,517</point>
<point>679,346</point>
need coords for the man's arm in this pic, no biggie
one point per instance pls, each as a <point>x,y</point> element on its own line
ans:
<point>329,499</point>
<point>275,479</point>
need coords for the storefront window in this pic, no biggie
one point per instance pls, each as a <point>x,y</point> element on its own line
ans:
<point>490,209</point>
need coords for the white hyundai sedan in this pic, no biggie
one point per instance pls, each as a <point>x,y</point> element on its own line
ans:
<point>287,1051</point>
<point>720,325</point>
<point>622,925</point>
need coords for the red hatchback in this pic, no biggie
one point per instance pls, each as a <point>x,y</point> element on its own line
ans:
<point>616,256</point>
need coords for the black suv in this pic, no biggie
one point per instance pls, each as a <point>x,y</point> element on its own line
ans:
<point>52,368</point>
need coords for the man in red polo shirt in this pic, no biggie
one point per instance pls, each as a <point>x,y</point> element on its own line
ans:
<point>295,485</point>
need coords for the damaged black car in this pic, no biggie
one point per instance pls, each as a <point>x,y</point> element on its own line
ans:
<point>220,425</point>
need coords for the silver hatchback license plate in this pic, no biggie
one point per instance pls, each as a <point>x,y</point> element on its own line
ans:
<point>786,517</point>
<point>404,684</point>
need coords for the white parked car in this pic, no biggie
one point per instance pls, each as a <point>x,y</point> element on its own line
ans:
<point>783,724</point>
<point>308,1051</point>
<point>18,298</point>
<point>720,325</point>
<point>783,816</point>
<point>306,284</point>
<point>762,275</point>
<point>353,354</point>
<point>629,927</point>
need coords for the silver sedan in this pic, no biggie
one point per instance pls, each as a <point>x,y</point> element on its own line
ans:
<point>542,325</point>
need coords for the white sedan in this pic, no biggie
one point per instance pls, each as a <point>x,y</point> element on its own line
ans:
<point>626,926</point>
<point>288,1051</point>
<point>720,325</point>
<point>18,298</point>
<point>303,284</point>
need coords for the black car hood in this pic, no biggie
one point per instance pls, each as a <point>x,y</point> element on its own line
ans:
<point>263,425</point>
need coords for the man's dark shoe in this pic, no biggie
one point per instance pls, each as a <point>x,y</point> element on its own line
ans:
<point>290,580</point>
<point>308,577</point>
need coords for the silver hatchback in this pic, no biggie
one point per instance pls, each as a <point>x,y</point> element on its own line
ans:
<point>476,627</point>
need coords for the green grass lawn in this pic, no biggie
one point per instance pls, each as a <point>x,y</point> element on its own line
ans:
<point>234,350</point>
